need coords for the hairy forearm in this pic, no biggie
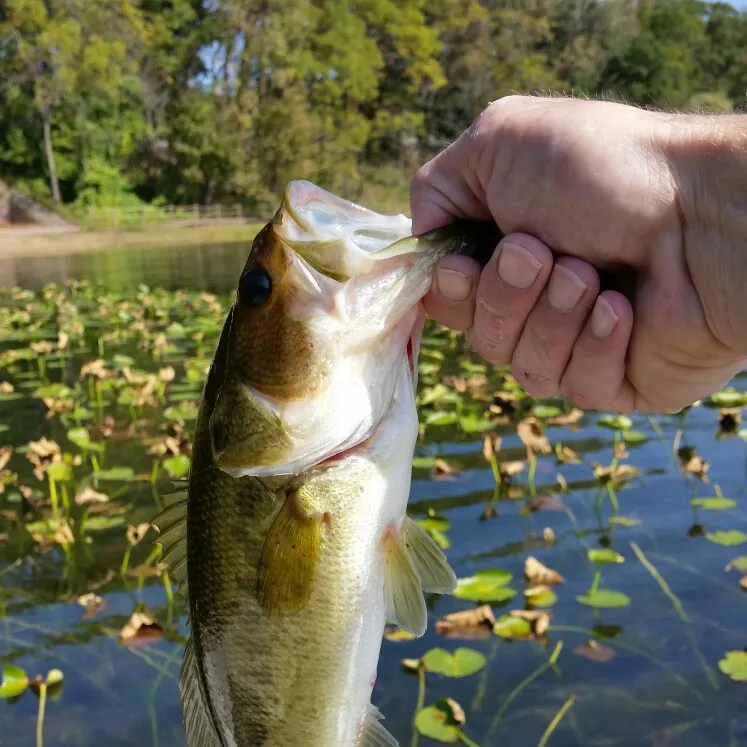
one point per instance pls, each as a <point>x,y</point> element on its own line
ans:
<point>708,157</point>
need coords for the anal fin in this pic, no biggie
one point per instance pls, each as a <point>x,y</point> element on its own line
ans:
<point>403,595</point>
<point>287,568</point>
<point>198,723</point>
<point>373,732</point>
<point>430,564</point>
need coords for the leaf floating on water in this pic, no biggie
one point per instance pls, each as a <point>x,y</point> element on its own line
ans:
<point>411,666</point>
<point>604,599</point>
<point>533,436</point>
<point>615,474</point>
<point>734,665</point>
<point>89,496</point>
<point>566,455</point>
<point>604,556</point>
<point>537,574</point>
<point>572,417</point>
<point>693,464</point>
<point>633,438</point>
<point>14,683</point>
<point>441,721</point>
<point>141,628</point>
<point>540,596</point>
<point>716,503</point>
<point>730,538</point>
<point>595,651</point>
<point>738,564</point>
<point>136,533</point>
<point>522,624</point>
<point>462,663</point>
<point>472,624</point>
<point>92,604</point>
<point>615,422</point>
<point>395,634</point>
<point>488,585</point>
<point>743,583</point>
<point>442,469</point>
<point>625,521</point>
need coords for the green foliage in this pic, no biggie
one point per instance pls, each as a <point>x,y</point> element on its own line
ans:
<point>118,102</point>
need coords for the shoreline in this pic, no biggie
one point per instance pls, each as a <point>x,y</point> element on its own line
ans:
<point>42,241</point>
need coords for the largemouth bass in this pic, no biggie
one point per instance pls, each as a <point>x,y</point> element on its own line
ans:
<point>292,540</point>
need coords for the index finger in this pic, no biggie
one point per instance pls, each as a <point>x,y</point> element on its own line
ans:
<point>445,188</point>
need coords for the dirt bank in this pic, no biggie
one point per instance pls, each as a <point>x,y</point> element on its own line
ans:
<point>37,241</point>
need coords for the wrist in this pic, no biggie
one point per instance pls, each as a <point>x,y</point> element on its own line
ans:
<point>707,160</point>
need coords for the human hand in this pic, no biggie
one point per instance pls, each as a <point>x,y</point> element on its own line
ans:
<point>601,184</point>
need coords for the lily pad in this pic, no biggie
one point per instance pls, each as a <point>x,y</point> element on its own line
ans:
<point>730,538</point>
<point>728,398</point>
<point>604,556</point>
<point>100,523</point>
<point>474,424</point>
<point>181,412</point>
<point>462,663</point>
<point>604,599</point>
<point>437,722</point>
<point>115,474</point>
<point>734,665</point>
<point>625,521</point>
<point>632,438</point>
<point>508,626</point>
<point>738,564</point>
<point>488,585</point>
<point>716,503</point>
<point>546,411</point>
<point>441,418</point>
<point>14,683</point>
<point>177,466</point>
<point>616,422</point>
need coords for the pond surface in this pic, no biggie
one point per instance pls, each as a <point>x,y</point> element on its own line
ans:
<point>117,430</point>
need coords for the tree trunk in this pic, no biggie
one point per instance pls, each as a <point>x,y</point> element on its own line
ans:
<point>50,158</point>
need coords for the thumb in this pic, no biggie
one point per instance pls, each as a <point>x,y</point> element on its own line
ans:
<point>445,188</point>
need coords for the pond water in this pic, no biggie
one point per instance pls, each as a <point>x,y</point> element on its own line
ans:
<point>653,678</point>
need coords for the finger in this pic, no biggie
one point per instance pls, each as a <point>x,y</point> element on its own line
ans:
<point>444,189</point>
<point>509,287</point>
<point>546,344</point>
<point>595,376</point>
<point>451,299</point>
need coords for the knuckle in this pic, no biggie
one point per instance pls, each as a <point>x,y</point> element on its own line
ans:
<point>490,347</point>
<point>536,384</point>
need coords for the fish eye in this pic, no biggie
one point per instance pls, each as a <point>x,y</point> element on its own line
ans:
<point>255,287</point>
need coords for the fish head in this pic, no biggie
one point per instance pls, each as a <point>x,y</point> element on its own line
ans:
<point>327,311</point>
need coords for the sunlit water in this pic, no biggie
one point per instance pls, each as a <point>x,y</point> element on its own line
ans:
<point>663,687</point>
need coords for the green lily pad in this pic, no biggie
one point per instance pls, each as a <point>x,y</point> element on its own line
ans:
<point>734,665</point>
<point>436,722</point>
<point>716,503</point>
<point>728,398</point>
<point>616,422</point>
<point>738,564</point>
<point>100,523</point>
<point>604,556</point>
<point>546,411</point>
<point>54,677</point>
<point>440,417</point>
<point>604,599</point>
<point>177,466</point>
<point>423,462</point>
<point>59,471</point>
<point>625,521</point>
<point>488,585</point>
<point>474,424</point>
<point>633,438</point>
<point>115,474</point>
<point>9,396</point>
<point>14,683</point>
<point>730,538</point>
<point>545,598</point>
<point>512,628</point>
<point>180,412</point>
<point>462,663</point>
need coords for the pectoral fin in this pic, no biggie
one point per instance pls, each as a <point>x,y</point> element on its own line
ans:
<point>429,562</point>
<point>373,733</point>
<point>287,568</point>
<point>172,527</point>
<point>403,595</point>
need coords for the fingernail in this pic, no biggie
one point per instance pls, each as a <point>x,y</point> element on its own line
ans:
<point>603,318</point>
<point>564,289</point>
<point>452,284</point>
<point>517,267</point>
